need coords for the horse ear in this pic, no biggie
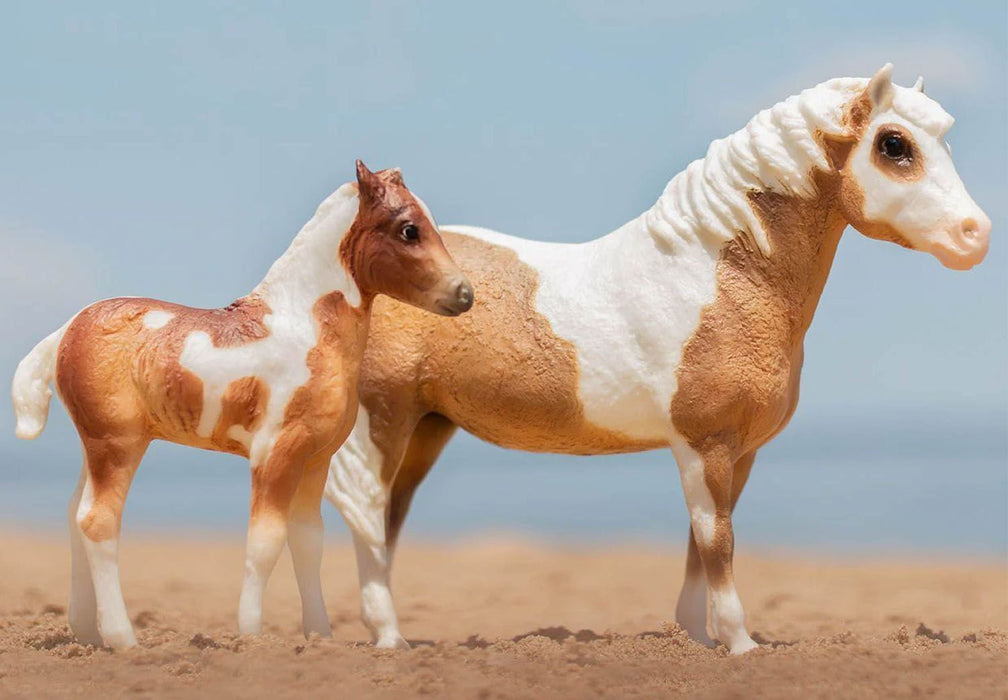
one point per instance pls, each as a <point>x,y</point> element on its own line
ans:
<point>919,85</point>
<point>880,90</point>
<point>367,181</point>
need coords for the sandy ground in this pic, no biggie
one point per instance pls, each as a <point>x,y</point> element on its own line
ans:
<point>500,619</point>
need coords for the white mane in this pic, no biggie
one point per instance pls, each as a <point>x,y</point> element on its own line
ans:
<point>775,151</point>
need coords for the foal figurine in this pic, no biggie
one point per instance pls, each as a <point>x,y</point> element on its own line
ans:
<point>271,377</point>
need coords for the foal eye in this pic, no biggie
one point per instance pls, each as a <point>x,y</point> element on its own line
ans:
<point>893,146</point>
<point>409,232</point>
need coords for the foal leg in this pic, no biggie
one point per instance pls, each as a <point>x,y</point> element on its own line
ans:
<point>691,609</point>
<point>275,480</point>
<point>82,611</point>
<point>111,464</point>
<point>305,540</point>
<point>707,485</point>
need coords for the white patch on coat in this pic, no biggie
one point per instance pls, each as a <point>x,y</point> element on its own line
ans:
<point>157,318</point>
<point>309,270</point>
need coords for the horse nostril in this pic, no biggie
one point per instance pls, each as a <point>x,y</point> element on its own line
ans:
<point>464,295</point>
<point>969,227</point>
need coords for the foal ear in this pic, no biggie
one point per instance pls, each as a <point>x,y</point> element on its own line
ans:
<point>367,182</point>
<point>880,89</point>
<point>919,85</point>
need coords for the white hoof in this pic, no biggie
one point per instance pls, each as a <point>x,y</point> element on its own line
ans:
<point>86,633</point>
<point>392,641</point>
<point>324,632</point>
<point>696,629</point>
<point>742,645</point>
<point>120,640</point>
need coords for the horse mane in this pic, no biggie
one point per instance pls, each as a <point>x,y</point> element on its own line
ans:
<point>777,150</point>
<point>313,252</point>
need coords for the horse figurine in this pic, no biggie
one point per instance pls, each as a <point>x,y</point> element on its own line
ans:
<point>271,377</point>
<point>682,329</point>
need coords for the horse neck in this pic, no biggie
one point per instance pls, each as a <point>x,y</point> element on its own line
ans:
<point>803,232</point>
<point>311,267</point>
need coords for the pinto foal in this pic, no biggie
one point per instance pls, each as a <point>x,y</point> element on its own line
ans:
<point>272,377</point>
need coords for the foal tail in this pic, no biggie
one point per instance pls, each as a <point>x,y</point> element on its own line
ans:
<point>30,390</point>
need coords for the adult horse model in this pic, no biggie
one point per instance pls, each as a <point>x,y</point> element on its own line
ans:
<point>272,377</point>
<point>683,328</point>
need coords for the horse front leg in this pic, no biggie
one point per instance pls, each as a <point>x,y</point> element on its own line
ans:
<point>275,480</point>
<point>707,478</point>
<point>305,537</point>
<point>691,608</point>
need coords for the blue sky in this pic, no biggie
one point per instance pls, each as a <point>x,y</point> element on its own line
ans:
<point>173,149</point>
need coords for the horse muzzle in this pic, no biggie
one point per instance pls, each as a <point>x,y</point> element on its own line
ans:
<point>964,244</point>
<point>457,301</point>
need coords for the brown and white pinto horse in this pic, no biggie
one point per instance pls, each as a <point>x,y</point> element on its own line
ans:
<point>682,329</point>
<point>272,377</point>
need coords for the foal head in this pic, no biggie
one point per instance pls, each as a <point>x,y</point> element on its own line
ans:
<point>393,247</point>
<point>898,179</point>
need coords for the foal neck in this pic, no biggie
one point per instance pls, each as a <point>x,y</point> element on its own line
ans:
<point>311,268</point>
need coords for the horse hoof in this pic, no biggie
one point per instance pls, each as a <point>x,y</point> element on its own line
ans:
<point>392,641</point>
<point>120,641</point>
<point>741,646</point>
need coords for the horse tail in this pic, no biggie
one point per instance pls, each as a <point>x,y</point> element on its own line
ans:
<point>30,392</point>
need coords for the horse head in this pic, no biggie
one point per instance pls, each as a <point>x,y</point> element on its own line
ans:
<point>898,181</point>
<point>394,247</point>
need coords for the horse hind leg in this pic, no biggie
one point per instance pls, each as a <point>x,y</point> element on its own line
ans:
<point>691,608</point>
<point>82,611</point>
<point>305,541</point>
<point>109,465</point>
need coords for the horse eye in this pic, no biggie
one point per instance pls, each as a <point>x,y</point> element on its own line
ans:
<point>409,232</point>
<point>893,146</point>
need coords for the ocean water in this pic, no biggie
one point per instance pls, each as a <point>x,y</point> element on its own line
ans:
<point>919,486</point>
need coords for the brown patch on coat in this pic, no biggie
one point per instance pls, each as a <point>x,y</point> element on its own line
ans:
<point>243,404</point>
<point>738,378</point>
<point>519,391</point>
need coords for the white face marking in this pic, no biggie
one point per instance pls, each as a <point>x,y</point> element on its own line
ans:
<point>157,318</point>
<point>929,211</point>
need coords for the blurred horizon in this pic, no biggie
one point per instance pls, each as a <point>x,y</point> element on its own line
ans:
<point>173,151</point>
